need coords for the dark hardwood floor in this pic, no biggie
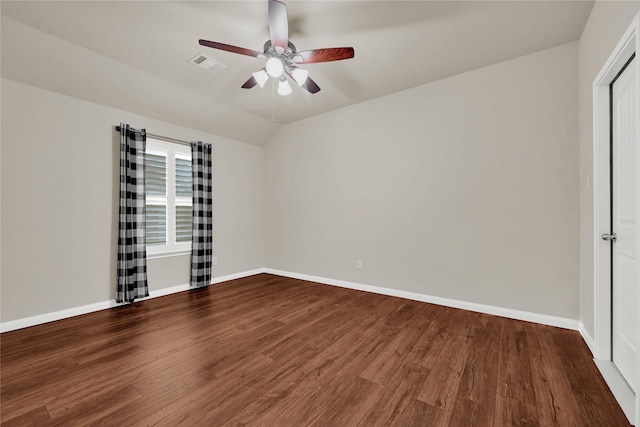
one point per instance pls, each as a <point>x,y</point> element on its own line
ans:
<point>272,351</point>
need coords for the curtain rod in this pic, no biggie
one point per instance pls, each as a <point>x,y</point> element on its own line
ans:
<point>163,138</point>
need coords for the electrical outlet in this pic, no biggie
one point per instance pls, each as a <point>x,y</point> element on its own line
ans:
<point>214,260</point>
<point>359,264</point>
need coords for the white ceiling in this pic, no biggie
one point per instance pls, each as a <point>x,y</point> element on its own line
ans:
<point>147,44</point>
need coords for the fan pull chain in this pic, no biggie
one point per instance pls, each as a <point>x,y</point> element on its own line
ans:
<point>273,100</point>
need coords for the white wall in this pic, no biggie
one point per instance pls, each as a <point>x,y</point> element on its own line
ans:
<point>60,200</point>
<point>466,188</point>
<point>606,25</point>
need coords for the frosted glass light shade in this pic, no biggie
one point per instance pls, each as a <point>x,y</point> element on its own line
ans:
<point>274,67</point>
<point>261,77</point>
<point>284,88</point>
<point>300,76</point>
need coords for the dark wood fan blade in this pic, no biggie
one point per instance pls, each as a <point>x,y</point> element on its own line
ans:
<point>278,25</point>
<point>250,83</point>
<point>311,86</point>
<point>323,55</point>
<point>230,48</point>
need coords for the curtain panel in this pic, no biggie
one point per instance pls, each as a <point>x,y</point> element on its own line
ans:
<point>202,206</point>
<point>132,251</point>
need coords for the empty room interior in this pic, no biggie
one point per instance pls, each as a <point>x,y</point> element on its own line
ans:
<point>308,213</point>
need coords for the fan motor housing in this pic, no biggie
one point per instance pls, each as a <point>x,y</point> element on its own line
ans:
<point>270,51</point>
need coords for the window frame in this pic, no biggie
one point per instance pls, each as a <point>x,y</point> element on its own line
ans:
<point>171,151</point>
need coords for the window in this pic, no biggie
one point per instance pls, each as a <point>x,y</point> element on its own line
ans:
<point>168,187</point>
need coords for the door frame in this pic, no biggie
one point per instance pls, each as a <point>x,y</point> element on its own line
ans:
<point>628,44</point>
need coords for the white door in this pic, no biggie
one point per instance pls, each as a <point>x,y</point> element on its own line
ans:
<point>624,256</point>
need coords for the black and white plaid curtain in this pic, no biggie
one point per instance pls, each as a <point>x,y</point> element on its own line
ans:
<point>132,251</point>
<point>202,226</point>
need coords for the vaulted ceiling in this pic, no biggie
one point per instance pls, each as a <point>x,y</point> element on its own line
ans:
<point>134,55</point>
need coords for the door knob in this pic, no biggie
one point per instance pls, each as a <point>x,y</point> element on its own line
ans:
<point>610,237</point>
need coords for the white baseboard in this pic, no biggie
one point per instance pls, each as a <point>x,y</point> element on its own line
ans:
<point>234,276</point>
<point>481,308</point>
<point>39,319</point>
<point>588,339</point>
<point>544,319</point>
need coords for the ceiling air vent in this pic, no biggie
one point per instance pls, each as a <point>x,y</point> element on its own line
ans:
<point>206,63</point>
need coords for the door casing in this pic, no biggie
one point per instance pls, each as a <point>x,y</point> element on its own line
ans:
<point>629,44</point>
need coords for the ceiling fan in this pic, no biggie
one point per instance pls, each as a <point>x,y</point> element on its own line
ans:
<point>281,55</point>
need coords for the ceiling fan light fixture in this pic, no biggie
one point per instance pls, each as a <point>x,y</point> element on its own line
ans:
<point>275,67</point>
<point>261,77</point>
<point>281,55</point>
<point>300,76</point>
<point>284,88</point>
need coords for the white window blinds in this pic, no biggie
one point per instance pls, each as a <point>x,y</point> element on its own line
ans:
<point>183,177</point>
<point>168,193</point>
<point>155,179</point>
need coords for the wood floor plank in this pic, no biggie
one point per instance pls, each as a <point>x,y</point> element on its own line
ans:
<point>108,353</point>
<point>36,417</point>
<point>40,373</point>
<point>24,344</point>
<point>389,359</point>
<point>274,351</point>
<point>555,401</point>
<point>350,406</point>
<point>158,393</point>
<point>290,400</point>
<point>439,331</point>
<point>398,399</point>
<point>93,407</point>
<point>475,401</point>
<point>309,399</point>
<point>89,378</point>
<point>514,373</point>
<point>233,423</point>
<point>467,412</point>
<point>199,406</point>
<point>148,370</point>
<point>334,322</point>
<point>303,364</point>
<point>513,412</point>
<point>441,386</point>
<point>247,344</point>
